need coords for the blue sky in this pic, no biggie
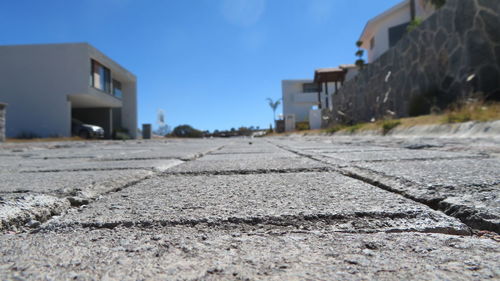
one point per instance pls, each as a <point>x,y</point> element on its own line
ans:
<point>207,63</point>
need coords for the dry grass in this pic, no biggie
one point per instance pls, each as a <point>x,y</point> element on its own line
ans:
<point>472,111</point>
<point>475,111</point>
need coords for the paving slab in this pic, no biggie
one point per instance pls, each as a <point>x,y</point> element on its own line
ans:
<point>232,252</point>
<point>98,165</point>
<point>117,150</point>
<point>330,200</point>
<point>396,155</point>
<point>247,165</point>
<point>16,165</point>
<point>246,156</point>
<point>37,197</point>
<point>466,188</point>
<point>248,146</point>
<point>86,184</point>
<point>16,210</point>
<point>248,211</point>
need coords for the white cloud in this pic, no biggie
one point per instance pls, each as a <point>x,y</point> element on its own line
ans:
<point>243,13</point>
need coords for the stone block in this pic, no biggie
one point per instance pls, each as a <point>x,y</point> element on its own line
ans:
<point>489,79</point>
<point>491,25</point>
<point>460,39</point>
<point>464,17</point>
<point>493,5</point>
<point>478,49</point>
<point>2,121</point>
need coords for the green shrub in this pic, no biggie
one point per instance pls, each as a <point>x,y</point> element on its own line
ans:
<point>459,117</point>
<point>353,128</point>
<point>414,24</point>
<point>302,126</point>
<point>121,134</point>
<point>334,129</point>
<point>388,125</point>
<point>186,131</point>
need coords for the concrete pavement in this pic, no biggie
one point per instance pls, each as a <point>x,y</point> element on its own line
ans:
<point>317,208</point>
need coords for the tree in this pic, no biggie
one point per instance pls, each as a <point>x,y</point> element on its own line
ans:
<point>360,62</point>
<point>186,131</point>
<point>274,105</point>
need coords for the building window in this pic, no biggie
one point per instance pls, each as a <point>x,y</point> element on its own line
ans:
<point>100,77</point>
<point>372,43</point>
<point>117,89</point>
<point>396,33</point>
<point>310,88</point>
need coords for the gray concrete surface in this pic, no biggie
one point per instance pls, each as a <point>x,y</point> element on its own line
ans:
<point>294,208</point>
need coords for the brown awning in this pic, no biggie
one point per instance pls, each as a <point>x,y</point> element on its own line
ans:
<point>329,75</point>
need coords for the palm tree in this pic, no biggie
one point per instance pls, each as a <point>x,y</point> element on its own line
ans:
<point>274,105</point>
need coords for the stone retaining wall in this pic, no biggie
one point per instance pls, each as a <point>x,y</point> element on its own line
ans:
<point>3,113</point>
<point>453,53</point>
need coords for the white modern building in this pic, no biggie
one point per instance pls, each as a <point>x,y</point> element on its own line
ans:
<point>304,100</point>
<point>48,85</point>
<point>386,29</point>
<point>299,98</point>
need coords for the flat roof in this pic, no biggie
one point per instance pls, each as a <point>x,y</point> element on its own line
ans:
<point>332,74</point>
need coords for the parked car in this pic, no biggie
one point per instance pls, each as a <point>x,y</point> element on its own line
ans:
<point>86,131</point>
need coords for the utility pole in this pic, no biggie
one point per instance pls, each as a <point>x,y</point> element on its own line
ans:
<point>413,10</point>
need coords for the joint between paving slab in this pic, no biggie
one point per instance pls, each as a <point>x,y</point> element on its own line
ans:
<point>312,222</point>
<point>249,172</point>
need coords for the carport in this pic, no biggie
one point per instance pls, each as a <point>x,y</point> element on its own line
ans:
<point>103,110</point>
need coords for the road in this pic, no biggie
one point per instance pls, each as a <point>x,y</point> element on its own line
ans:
<point>281,208</point>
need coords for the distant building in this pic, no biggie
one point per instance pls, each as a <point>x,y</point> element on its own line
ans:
<point>385,30</point>
<point>46,86</point>
<point>304,100</point>
<point>299,97</point>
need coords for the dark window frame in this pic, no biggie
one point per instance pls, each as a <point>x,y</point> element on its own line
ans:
<point>311,88</point>
<point>396,33</point>
<point>104,73</point>
<point>117,85</point>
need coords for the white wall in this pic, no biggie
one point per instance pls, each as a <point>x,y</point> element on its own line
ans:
<point>40,81</point>
<point>381,35</point>
<point>34,81</point>
<point>378,27</point>
<point>297,102</point>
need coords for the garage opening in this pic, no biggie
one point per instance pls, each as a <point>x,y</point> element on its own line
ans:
<point>107,118</point>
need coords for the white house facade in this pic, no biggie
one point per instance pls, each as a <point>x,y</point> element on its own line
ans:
<point>299,97</point>
<point>304,100</point>
<point>48,85</point>
<point>385,30</point>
